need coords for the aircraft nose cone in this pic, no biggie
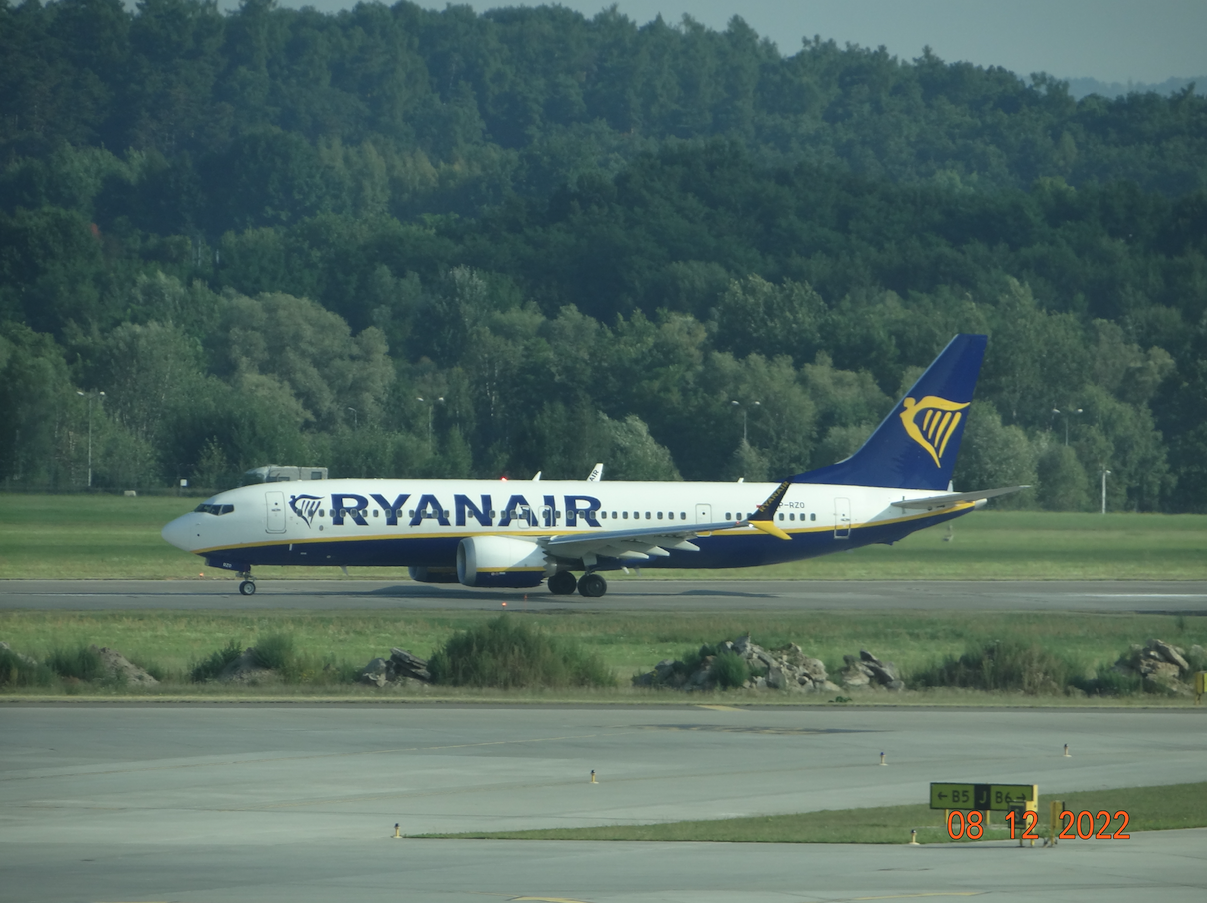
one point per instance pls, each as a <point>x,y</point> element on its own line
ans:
<point>180,533</point>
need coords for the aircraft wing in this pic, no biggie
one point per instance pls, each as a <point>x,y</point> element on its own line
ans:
<point>640,543</point>
<point>644,543</point>
<point>947,499</point>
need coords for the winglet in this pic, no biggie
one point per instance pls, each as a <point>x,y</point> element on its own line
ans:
<point>764,518</point>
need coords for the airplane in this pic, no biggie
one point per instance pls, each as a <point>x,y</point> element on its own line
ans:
<point>520,533</point>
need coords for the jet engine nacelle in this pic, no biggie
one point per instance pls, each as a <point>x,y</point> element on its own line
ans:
<point>500,561</point>
<point>433,575</point>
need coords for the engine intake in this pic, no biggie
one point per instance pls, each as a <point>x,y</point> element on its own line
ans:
<point>500,561</point>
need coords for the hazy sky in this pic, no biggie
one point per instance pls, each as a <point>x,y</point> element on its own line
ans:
<point>1111,40</point>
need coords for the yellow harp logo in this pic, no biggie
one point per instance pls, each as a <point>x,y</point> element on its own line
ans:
<point>940,418</point>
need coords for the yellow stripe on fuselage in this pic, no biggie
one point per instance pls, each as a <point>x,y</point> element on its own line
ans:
<point>585,533</point>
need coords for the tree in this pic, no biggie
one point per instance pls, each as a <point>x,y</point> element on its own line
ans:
<point>993,455</point>
<point>1063,483</point>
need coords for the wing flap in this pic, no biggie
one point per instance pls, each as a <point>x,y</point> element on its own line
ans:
<point>947,499</point>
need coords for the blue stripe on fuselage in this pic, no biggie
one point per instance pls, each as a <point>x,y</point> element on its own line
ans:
<point>730,549</point>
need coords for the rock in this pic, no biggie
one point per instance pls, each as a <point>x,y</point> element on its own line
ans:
<point>375,672</point>
<point>1160,672</point>
<point>399,668</point>
<point>119,668</point>
<point>814,667</point>
<point>792,655</point>
<point>403,664</point>
<point>1171,654</point>
<point>866,670</point>
<point>854,679</point>
<point>787,669</point>
<point>885,673</point>
<point>776,679</point>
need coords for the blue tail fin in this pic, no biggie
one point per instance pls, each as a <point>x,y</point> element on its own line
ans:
<point>916,445</point>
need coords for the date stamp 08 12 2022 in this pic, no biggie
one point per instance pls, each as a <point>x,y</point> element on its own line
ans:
<point>1083,825</point>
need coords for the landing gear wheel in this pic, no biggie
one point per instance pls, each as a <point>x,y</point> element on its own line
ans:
<point>592,586</point>
<point>562,583</point>
<point>248,588</point>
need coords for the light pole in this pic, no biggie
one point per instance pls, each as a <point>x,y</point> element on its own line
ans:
<point>1105,472</point>
<point>1066,416</point>
<point>740,406</point>
<point>355,419</point>
<point>431,406</point>
<point>90,396</point>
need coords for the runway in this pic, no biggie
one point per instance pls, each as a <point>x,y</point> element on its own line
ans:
<point>625,594</point>
<point>297,803</point>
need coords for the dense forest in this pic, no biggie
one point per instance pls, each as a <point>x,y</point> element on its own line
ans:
<point>403,242</point>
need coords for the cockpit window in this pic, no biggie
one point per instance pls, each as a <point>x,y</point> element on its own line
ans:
<point>205,508</point>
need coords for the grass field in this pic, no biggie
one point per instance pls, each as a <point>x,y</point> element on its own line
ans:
<point>111,537</point>
<point>628,642</point>
<point>1148,808</point>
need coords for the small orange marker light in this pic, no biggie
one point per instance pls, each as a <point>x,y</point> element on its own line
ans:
<point>504,604</point>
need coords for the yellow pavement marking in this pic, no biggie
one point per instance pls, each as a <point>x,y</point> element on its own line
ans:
<point>550,899</point>
<point>719,708</point>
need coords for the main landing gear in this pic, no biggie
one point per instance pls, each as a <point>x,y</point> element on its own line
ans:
<point>248,584</point>
<point>562,583</point>
<point>590,585</point>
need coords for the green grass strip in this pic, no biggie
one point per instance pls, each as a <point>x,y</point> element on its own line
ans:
<point>1149,809</point>
<point>628,642</point>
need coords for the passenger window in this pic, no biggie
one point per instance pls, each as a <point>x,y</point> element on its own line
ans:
<point>727,515</point>
<point>626,515</point>
<point>812,517</point>
<point>659,515</point>
<point>411,513</point>
<point>375,512</point>
<point>613,515</point>
<point>647,515</point>
<point>682,515</point>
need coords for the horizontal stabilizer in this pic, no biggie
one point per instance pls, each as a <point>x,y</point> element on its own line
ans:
<point>953,498</point>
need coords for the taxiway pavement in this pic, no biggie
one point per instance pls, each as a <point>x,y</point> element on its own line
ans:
<point>297,803</point>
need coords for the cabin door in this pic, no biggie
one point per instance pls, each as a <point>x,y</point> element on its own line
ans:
<point>275,503</point>
<point>842,518</point>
